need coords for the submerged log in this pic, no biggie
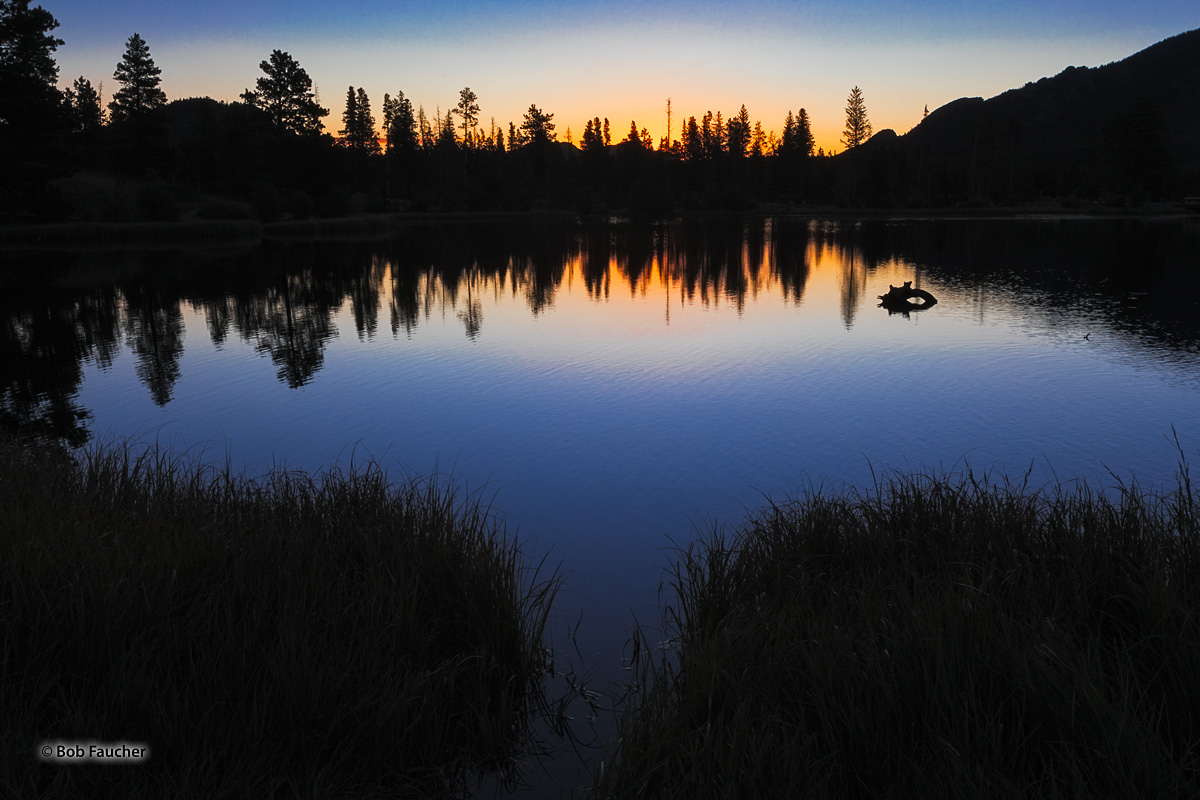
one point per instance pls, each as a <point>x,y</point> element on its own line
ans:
<point>899,298</point>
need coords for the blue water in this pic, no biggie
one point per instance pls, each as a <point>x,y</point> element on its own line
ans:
<point>616,388</point>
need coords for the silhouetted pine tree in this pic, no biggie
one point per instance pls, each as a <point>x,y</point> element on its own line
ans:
<point>858,127</point>
<point>468,109</point>
<point>358,132</point>
<point>286,94</point>
<point>83,103</point>
<point>737,133</point>
<point>365,127</point>
<point>537,127</point>
<point>593,139</point>
<point>758,140</point>
<point>349,131</point>
<point>31,118</point>
<point>633,136</point>
<point>693,142</point>
<point>139,78</point>
<point>804,136</point>
<point>399,124</point>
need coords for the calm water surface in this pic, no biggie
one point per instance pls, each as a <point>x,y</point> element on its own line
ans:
<point>617,386</point>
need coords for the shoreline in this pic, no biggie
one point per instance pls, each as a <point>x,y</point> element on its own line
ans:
<point>71,235</point>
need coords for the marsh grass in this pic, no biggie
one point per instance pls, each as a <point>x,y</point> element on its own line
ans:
<point>288,635</point>
<point>935,636</point>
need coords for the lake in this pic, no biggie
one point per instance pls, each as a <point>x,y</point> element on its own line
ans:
<point>615,387</point>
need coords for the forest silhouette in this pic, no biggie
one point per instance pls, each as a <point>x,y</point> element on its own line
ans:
<point>1116,135</point>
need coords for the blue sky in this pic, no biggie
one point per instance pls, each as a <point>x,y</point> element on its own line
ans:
<point>622,59</point>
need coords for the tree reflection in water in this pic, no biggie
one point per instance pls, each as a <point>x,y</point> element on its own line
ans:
<point>62,310</point>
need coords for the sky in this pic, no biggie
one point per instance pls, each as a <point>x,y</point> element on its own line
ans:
<point>622,59</point>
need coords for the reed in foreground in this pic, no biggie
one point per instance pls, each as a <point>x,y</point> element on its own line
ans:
<point>287,635</point>
<point>932,637</point>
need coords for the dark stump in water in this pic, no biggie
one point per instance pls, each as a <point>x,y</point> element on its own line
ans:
<point>900,298</point>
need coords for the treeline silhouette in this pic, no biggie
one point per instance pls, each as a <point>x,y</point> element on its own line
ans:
<point>283,298</point>
<point>1119,134</point>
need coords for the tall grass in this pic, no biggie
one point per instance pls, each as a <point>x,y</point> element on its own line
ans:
<point>934,636</point>
<point>290,635</point>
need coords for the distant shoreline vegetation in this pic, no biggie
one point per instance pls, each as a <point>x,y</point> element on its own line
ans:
<point>341,634</point>
<point>1114,135</point>
<point>68,234</point>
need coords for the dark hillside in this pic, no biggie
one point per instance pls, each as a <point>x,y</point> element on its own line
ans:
<point>1125,132</point>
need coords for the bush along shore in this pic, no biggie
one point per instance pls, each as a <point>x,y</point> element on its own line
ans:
<point>933,636</point>
<point>289,635</point>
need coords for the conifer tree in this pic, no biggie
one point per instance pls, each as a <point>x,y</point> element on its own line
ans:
<point>399,124</point>
<point>26,44</point>
<point>537,127</point>
<point>83,102</point>
<point>31,118</point>
<point>445,135</point>
<point>737,133</point>
<point>365,126</point>
<point>804,135</point>
<point>706,135</point>
<point>423,128</point>
<point>349,131</point>
<point>468,109</point>
<point>607,137</point>
<point>359,130</point>
<point>139,79</point>
<point>858,127</point>
<point>693,142</point>
<point>787,142</point>
<point>285,92</point>
<point>758,140</point>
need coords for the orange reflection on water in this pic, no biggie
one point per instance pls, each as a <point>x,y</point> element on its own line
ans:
<point>651,277</point>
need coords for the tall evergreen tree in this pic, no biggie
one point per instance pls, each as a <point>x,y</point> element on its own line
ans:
<point>787,140</point>
<point>758,140</point>
<point>399,124</point>
<point>139,79</point>
<point>537,127</point>
<point>737,134</point>
<point>633,135</point>
<point>31,118</point>
<point>445,136</point>
<point>693,142</point>
<point>706,136</point>
<point>349,131</point>
<point>83,102</point>
<point>365,127</point>
<point>593,137</point>
<point>804,135</point>
<point>388,110</point>
<point>286,94</point>
<point>26,44</point>
<point>468,109</point>
<point>858,127</point>
<point>424,129</point>
<point>358,132</point>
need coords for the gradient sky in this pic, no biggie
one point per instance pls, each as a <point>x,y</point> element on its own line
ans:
<point>622,59</point>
